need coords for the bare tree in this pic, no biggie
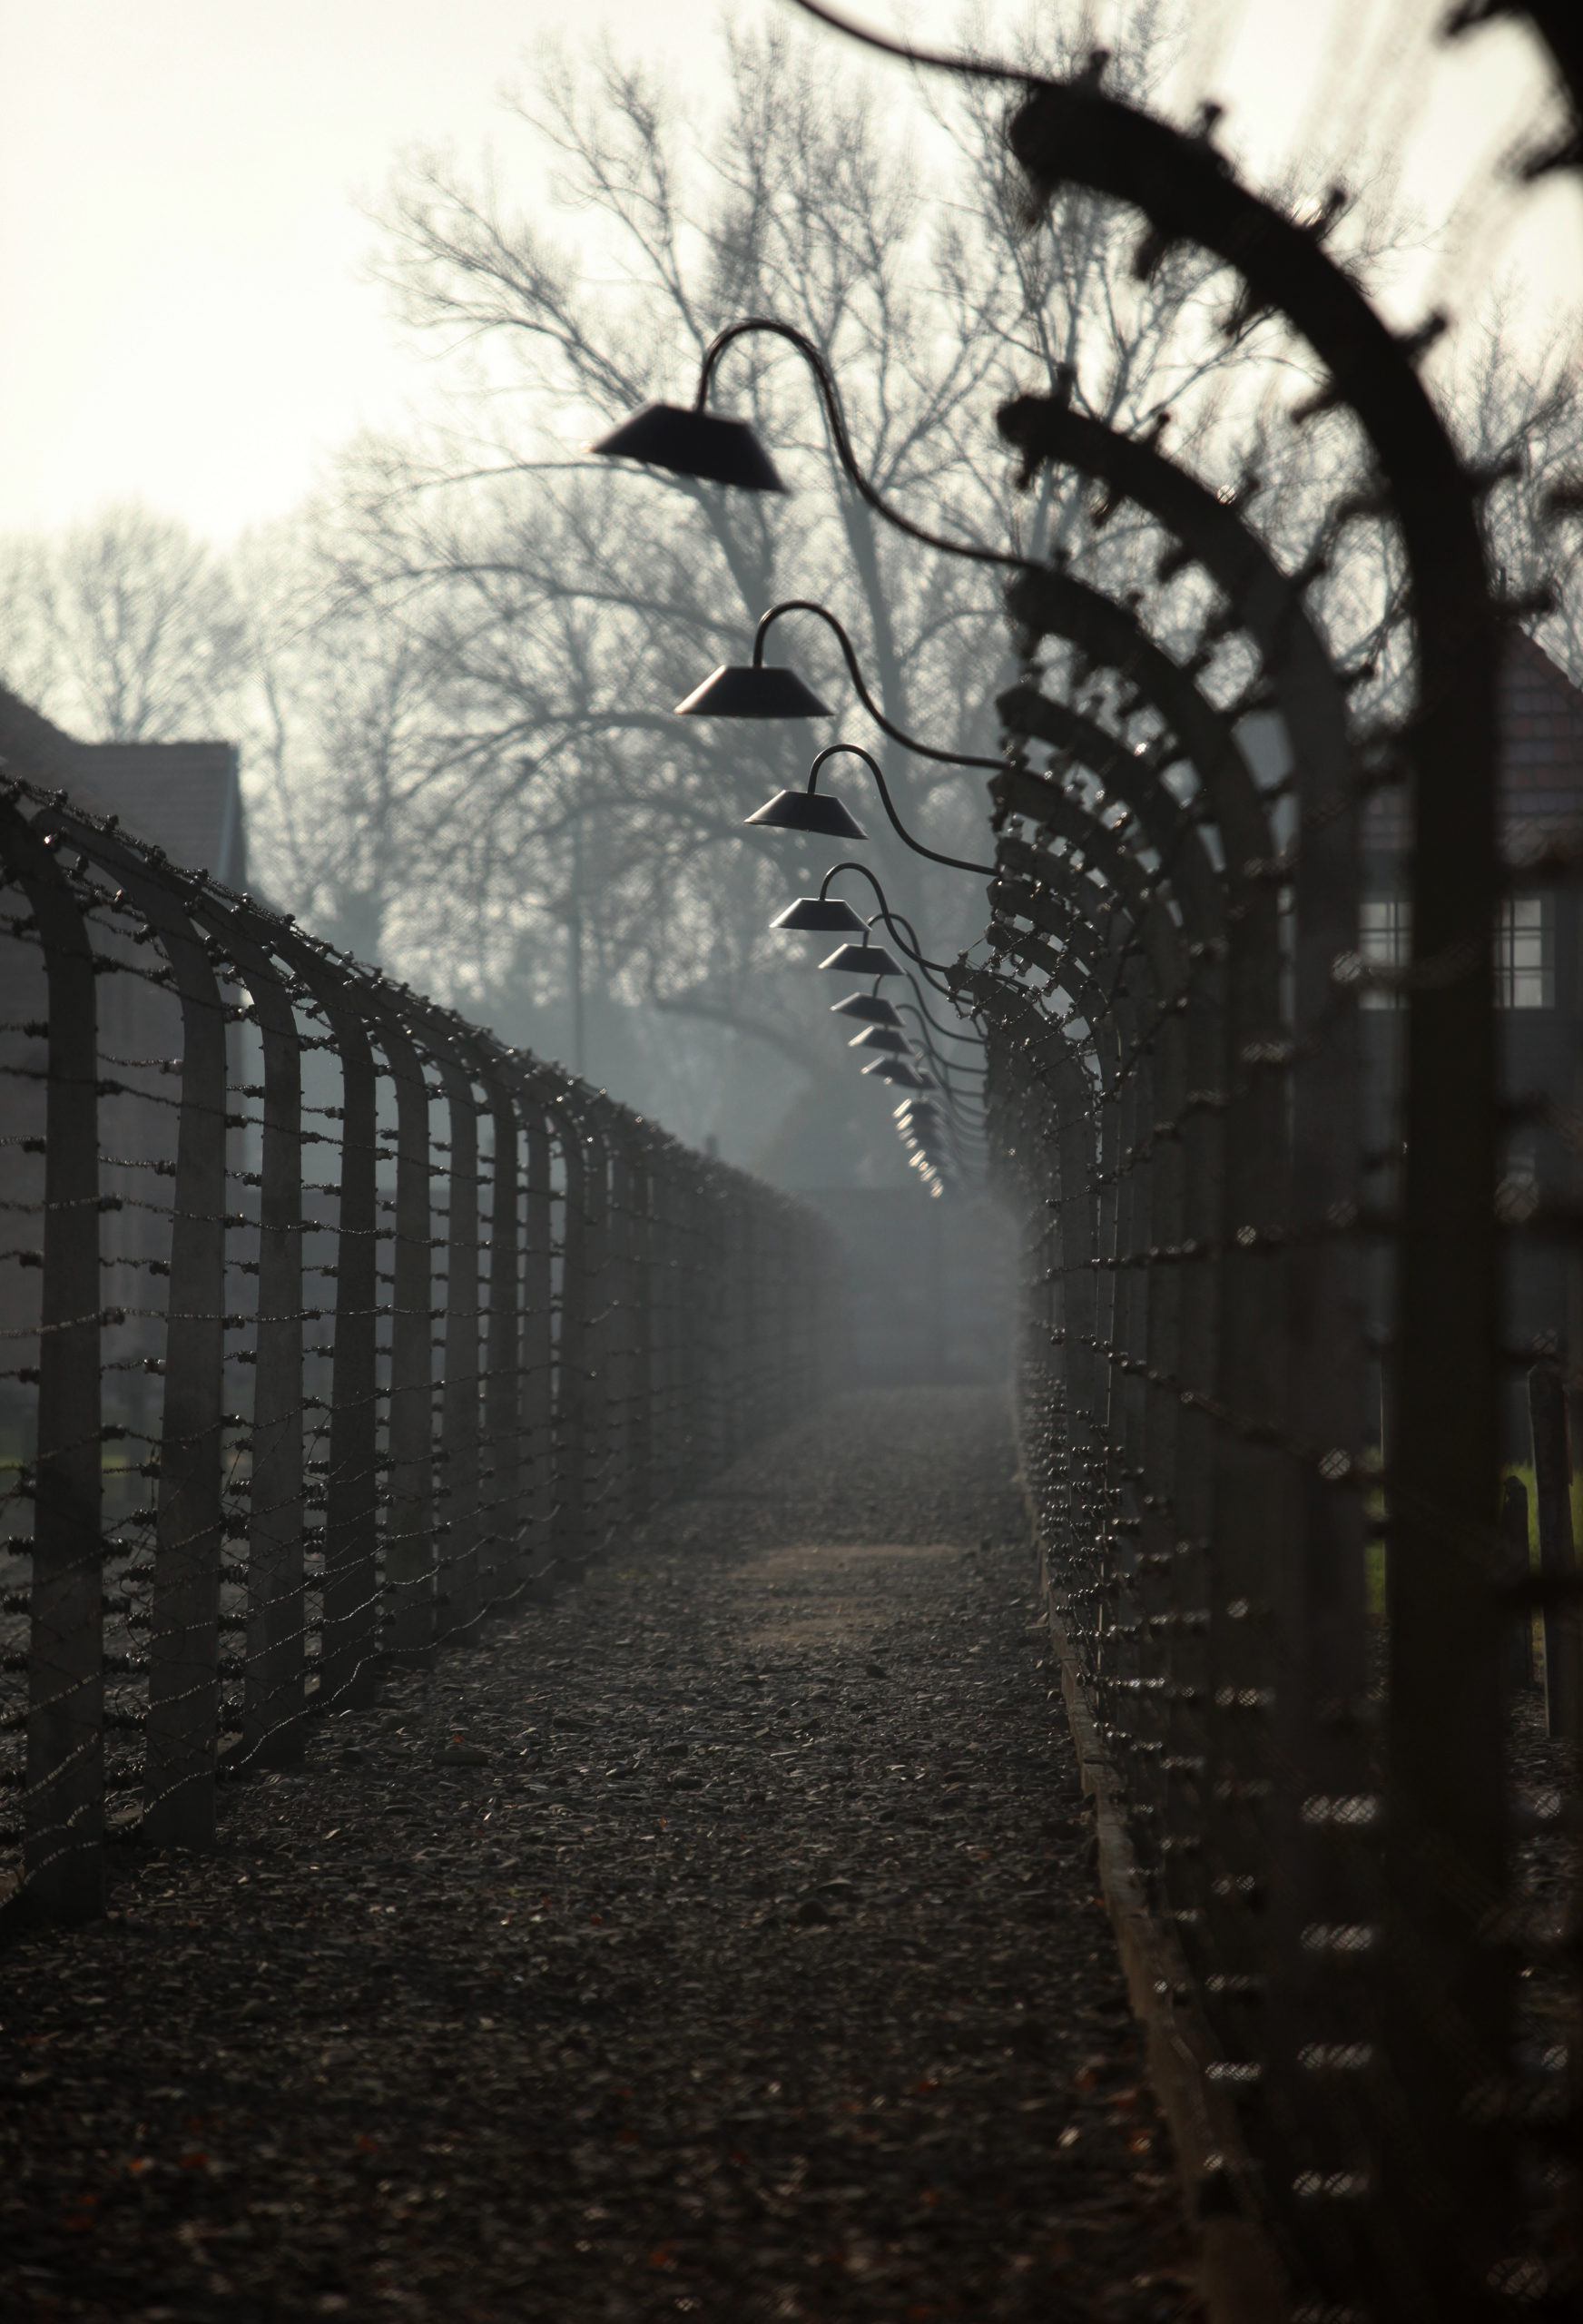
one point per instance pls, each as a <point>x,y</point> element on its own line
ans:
<point>460,667</point>
<point>30,662</point>
<point>569,608</point>
<point>125,627</point>
<point>1517,410</point>
<point>348,740</point>
<point>580,605</point>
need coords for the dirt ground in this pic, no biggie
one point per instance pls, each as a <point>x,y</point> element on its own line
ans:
<point>722,1941</point>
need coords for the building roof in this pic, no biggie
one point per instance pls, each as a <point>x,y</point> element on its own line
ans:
<point>182,797</point>
<point>1540,714</point>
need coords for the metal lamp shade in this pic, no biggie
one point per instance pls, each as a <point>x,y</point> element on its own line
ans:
<point>868,1008</point>
<point>820,916</point>
<point>693,443</point>
<point>880,1037</point>
<point>809,810</point>
<point>748,690</point>
<point>863,960</point>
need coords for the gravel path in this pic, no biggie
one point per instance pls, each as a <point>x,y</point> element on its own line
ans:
<point>720,1941</point>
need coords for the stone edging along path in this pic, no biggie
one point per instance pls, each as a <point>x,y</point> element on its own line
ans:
<point>721,1940</point>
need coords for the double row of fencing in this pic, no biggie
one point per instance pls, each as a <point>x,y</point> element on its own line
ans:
<point>1282,1185</point>
<point>330,1325</point>
<point>1286,1198</point>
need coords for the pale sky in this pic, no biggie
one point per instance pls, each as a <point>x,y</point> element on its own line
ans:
<point>180,234</point>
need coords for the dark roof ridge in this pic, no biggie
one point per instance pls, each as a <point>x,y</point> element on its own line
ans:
<point>144,743</point>
<point>49,752</point>
<point>183,797</point>
<point>1528,649</point>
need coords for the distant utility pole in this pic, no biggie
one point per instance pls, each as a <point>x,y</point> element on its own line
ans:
<point>575,946</point>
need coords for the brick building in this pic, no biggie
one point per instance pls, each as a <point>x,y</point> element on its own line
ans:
<point>1538,991</point>
<point>186,798</point>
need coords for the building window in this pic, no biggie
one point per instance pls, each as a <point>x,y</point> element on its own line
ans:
<point>1384,941</point>
<point>1525,964</point>
<point>1525,968</point>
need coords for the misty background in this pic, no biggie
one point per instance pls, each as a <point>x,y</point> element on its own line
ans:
<point>449,657</point>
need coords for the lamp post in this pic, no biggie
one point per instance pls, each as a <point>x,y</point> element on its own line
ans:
<point>715,449</point>
<point>896,923</point>
<point>880,1018</point>
<point>712,448</point>
<point>809,811</point>
<point>758,689</point>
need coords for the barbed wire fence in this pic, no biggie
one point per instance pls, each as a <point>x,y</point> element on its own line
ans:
<point>331,1328</point>
<point>1252,1095</point>
<point>1276,1181</point>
